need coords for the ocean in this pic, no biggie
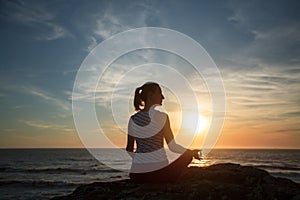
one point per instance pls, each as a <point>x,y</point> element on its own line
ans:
<point>45,173</point>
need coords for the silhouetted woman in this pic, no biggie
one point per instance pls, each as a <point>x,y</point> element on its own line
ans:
<point>148,128</point>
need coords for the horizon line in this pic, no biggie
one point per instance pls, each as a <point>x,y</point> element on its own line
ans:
<point>218,148</point>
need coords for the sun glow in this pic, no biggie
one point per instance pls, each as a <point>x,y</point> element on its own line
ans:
<point>202,123</point>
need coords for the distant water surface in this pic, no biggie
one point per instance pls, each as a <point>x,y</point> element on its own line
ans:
<point>45,173</point>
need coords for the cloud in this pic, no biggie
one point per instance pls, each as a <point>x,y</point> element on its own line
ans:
<point>120,17</point>
<point>294,70</point>
<point>108,25</point>
<point>272,34</point>
<point>56,32</point>
<point>110,19</point>
<point>44,95</point>
<point>35,16</point>
<point>262,94</point>
<point>92,43</point>
<point>9,130</point>
<point>280,44</point>
<point>21,106</point>
<point>292,114</point>
<point>294,130</point>
<point>109,79</point>
<point>43,125</point>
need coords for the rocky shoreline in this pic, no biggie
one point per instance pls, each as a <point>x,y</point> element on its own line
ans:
<point>220,181</point>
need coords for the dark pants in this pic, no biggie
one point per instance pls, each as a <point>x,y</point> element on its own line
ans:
<point>169,173</point>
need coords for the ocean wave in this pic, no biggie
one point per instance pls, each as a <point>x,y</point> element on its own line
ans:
<point>286,174</point>
<point>294,176</point>
<point>56,170</point>
<point>277,167</point>
<point>37,183</point>
<point>80,159</point>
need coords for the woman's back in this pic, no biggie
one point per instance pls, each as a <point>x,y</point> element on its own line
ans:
<point>147,144</point>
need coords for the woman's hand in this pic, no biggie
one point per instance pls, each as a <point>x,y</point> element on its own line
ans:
<point>196,154</point>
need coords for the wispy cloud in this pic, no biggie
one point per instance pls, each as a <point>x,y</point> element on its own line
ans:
<point>92,43</point>
<point>35,15</point>
<point>9,130</point>
<point>115,18</point>
<point>292,114</point>
<point>108,25</point>
<point>259,95</point>
<point>21,106</point>
<point>44,125</point>
<point>277,45</point>
<point>46,96</point>
<point>272,35</point>
<point>289,130</point>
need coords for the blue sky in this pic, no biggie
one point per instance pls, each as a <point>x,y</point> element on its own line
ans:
<point>255,44</point>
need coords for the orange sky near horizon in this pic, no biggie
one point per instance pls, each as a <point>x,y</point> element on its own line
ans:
<point>232,137</point>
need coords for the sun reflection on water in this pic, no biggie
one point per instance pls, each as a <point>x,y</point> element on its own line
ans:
<point>204,162</point>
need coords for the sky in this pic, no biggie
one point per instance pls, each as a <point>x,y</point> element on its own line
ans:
<point>255,44</point>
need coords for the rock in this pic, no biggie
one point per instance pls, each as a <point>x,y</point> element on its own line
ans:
<point>220,181</point>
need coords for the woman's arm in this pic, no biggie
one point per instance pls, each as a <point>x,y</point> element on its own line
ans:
<point>130,141</point>
<point>168,134</point>
<point>176,148</point>
<point>130,145</point>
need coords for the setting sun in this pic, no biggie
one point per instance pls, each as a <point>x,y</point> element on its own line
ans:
<point>202,123</point>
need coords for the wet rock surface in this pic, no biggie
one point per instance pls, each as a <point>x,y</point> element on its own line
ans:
<point>220,181</point>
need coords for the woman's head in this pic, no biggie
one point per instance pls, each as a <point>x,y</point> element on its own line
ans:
<point>147,95</point>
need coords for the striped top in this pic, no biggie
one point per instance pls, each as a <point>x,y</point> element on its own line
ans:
<point>146,128</point>
<point>146,145</point>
